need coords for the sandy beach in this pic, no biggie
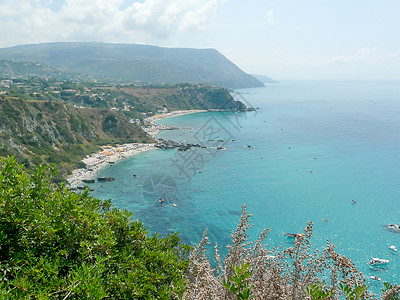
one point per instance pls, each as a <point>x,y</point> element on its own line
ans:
<point>110,154</point>
<point>154,128</point>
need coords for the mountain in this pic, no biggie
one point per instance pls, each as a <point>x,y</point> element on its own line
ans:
<point>264,78</point>
<point>132,62</point>
<point>26,68</point>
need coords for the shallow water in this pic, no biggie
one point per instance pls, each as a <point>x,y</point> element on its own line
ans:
<point>314,147</point>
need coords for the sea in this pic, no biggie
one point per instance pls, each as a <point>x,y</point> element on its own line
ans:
<point>320,151</point>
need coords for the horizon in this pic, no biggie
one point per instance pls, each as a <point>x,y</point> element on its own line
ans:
<point>284,41</point>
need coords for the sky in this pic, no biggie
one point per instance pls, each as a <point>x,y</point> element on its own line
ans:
<point>283,39</point>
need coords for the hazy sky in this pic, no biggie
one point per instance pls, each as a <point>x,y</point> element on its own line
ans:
<point>284,39</point>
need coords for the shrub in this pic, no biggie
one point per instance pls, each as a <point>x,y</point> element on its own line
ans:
<point>250,270</point>
<point>56,244</point>
<point>110,123</point>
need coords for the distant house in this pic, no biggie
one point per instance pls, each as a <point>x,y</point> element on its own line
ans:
<point>134,121</point>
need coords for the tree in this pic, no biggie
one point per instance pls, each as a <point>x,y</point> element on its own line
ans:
<point>56,244</point>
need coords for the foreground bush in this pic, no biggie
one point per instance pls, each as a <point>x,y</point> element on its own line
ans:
<point>251,271</point>
<point>55,244</point>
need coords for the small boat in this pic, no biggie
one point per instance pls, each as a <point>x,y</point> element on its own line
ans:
<point>375,278</point>
<point>293,235</point>
<point>378,262</point>
<point>393,248</point>
<point>393,227</point>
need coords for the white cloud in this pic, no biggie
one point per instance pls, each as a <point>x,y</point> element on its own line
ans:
<point>199,18</point>
<point>270,17</point>
<point>32,21</point>
<point>164,17</point>
<point>22,21</point>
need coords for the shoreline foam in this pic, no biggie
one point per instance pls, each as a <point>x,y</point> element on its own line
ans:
<point>109,154</point>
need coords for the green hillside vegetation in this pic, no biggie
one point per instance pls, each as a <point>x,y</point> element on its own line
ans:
<point>49,132</point>
<point>185,96</point>
<point>140,63</point>
<point>25,68</point>
<point>56,244</point>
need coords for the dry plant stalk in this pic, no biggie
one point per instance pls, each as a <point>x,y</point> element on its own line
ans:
<point>392,293</point>
<point>274,274</point>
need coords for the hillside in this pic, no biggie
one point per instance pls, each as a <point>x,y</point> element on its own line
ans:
<point>54,132</point>
<point>141,63</point>
<point>184,96</point>
<point>25,68</point>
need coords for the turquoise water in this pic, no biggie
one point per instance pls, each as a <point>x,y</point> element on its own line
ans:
<point>322,145</point>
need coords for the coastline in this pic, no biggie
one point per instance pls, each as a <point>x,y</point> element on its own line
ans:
<point>109,154</point>
<point>154,128</point>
